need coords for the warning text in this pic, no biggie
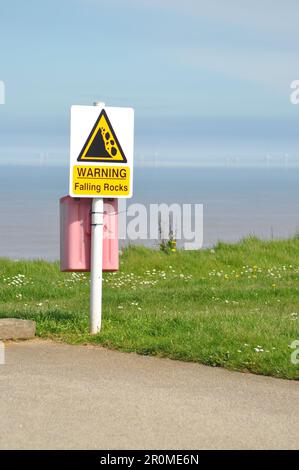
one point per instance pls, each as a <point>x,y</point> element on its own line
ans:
<point>101,180</point>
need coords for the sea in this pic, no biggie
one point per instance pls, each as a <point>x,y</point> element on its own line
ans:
<point>237,202</point>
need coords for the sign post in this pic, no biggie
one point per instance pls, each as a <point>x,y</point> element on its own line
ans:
<point>97,215</point>
<point>101,165</point>
<point>96,262</point>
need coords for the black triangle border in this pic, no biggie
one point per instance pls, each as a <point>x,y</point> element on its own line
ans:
<point>102,113</point>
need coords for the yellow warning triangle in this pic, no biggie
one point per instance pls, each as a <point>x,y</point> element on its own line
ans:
<point>102,145</point>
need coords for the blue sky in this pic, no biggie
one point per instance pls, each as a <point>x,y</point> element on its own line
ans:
<point>219,71</point>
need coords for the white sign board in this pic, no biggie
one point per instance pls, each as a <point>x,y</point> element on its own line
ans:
<point>101,151</point>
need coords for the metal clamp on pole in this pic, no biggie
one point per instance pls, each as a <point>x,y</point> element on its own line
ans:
<point>97,218</point>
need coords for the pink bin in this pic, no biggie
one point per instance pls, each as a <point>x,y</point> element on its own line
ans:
<point>75,234</point>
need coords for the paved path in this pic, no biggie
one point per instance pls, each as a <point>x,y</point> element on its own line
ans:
<point>61,396</point>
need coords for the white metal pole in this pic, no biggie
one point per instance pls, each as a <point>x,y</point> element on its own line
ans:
<point>97,220</point>
<point>96,264</point>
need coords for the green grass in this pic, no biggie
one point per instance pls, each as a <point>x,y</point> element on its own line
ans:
<point>235,306</point>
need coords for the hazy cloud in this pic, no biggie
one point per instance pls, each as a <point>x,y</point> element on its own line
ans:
<point>269,68</point>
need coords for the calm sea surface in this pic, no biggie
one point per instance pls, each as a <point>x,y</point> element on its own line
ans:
<point>237,202</point>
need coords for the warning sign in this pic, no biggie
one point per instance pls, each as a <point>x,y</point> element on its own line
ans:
<point>102,144</point>
<point>101,154</point>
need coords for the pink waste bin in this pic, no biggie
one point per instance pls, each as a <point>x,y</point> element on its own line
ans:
<point>75,234</point>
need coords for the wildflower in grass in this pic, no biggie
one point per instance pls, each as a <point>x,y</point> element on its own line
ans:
<point>120,307</point>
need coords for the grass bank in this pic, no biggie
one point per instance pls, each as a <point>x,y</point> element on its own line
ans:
<point>235,306</point>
